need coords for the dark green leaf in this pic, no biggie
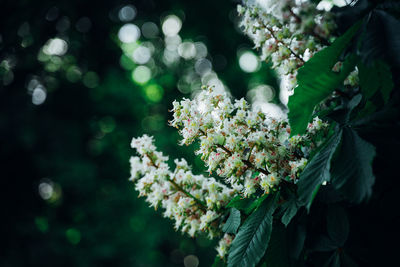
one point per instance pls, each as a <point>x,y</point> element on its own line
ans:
<point>316,80</point>
<point>374,78</point>
<point>323,243</point>
<point>290,208</point>
<point>240,203</point>
<point>255,204</point>
<point>253,237</point>
<point>366,111</point>
<point>247,205</point>
<point>317,170</point>
<point>342,113</point>
<point>338,225</point>
<point>352,171</point>
<point>233,222</point>
<point>333,261</point>
<point>347,15</point>
<point>313,195</point>
<point>382,38</point>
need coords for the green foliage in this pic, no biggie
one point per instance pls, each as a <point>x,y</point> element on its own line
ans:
<point>218,262</point>
<point>240,203</point>
<point>375,78</point>
<point>316,80</point>
<point>317,170</point>
<point>381,38</point>
<point>352,171</point>
<point>289,207</point>
<point>233,222</point>
<point>252,240</point>
<point>247,205</point>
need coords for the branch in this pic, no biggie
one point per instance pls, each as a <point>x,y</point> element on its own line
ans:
<point>179,188</point>
<point>282,43</point>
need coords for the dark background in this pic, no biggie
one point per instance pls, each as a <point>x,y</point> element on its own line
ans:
<point>77,141</point>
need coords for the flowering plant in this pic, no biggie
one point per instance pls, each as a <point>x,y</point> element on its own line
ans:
<point>273,168</point>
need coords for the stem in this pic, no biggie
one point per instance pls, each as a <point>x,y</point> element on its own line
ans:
<point>282,43</point>
<point>179,188</point>
<point>225,149</point>
<point>250,165</point>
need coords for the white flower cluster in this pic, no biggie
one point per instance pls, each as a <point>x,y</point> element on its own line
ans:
<point>195,202</point>
<point>224,244</point>
<point>288,32</point>
<point>249,149</point>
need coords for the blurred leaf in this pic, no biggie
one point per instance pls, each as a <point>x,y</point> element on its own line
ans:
<point>253,237</point>
<point>352,170</point>
<point>233,222</point>
<point>346,260</point>
<point>333,261</point>
<point>316,80</point>
<point>218,262</point>
<point>323,243</point>
<point>347,15</point>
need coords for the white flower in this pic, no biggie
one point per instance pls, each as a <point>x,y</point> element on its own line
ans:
<point>207,218</point>
<point>249,186</point>
<point>136,168</point>
<point>223,245</point>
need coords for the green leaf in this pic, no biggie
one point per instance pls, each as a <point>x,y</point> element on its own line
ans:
<point>352,171</point>
<point>316,80</point>
<point>290,208</point>
<point>255,204</point>
<point>338,225</point>
<point>382,38</point>
<point>342,113</point>
<point>218,262</point>
<point>313,195</point>
<point>253,237</point>
<point>233,222</point>
<point>240,203</point>
<point>374,78</point>
<point>317,170</point>
<point>247,205</point>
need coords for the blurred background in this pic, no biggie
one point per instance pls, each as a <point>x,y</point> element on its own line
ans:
<point>78,80</point>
